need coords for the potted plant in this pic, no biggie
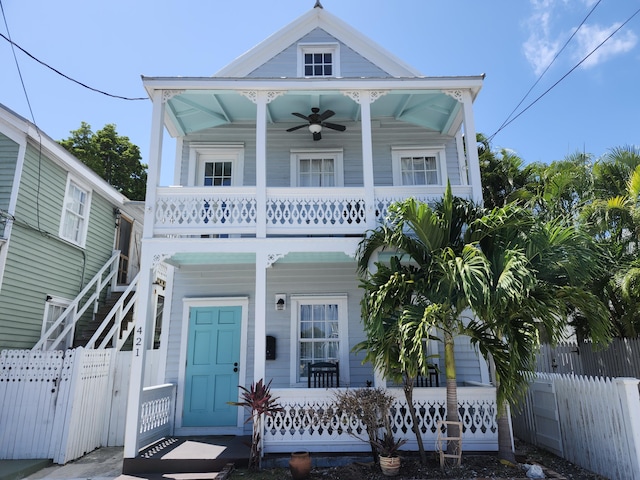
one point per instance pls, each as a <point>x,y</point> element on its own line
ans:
<point>259,401</point>
<point>388,448</point>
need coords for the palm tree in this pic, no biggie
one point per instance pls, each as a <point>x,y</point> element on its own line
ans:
<point>431,279</point>
<point>540,273</point>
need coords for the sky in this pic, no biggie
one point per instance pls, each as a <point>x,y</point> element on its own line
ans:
<point>107,46</point>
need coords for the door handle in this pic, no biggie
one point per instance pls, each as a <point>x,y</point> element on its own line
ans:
<point>235,365</point>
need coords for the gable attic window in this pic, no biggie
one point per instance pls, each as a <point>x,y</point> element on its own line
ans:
<point>75,213</point>
<point>318,60</point>
<point>418,166</point>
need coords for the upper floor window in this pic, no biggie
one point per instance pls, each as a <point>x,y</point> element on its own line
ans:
<point>216,165</point>
<point>418,166</point>
<point>317,168</point>
<point>75,213</point>
<point>318,60</point>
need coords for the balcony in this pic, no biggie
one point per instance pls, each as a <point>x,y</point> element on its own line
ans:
<point>193,211</point>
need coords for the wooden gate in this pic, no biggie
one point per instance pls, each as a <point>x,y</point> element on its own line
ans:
<point>547,422</point>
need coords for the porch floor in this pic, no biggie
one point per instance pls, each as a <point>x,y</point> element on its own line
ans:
<point>190,455</point>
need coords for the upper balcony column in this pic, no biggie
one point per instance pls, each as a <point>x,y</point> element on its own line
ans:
<point>365,98</point>
<point>159,99</point>
<point>261,99</point>
<point>471,147</point>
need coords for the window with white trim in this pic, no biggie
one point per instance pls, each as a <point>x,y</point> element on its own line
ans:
<point>318,60</point>
<point>418,166</point>
<point>320,329</point>
<point>53,309</point>
<point>216,165</point>
<point>75,213</point>
<point>317,168</point>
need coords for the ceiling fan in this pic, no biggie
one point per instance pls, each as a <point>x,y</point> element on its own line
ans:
<point>317,122</point>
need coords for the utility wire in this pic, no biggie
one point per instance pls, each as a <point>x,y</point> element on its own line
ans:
<point>66,76</point>
<point>547,68</point>
<point>565,75</point>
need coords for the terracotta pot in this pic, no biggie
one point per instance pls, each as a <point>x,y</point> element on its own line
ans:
<point>300,465</point>
<point>390,466</point>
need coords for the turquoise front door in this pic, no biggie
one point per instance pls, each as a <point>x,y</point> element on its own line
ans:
<point>213,356</point>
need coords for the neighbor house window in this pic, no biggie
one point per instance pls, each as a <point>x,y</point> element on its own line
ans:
<point>75,213</point>
<point>53,309</point>
<point>317,168</point>
<point>318,60</point>
<point>418,166</point>
<point>319,325</point>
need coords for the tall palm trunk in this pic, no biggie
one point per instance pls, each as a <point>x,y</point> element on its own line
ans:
<point>452,390</point>
<point>505,450</point>
<point>408,395</point>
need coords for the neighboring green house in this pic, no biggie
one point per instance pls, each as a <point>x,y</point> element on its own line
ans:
<point>59,224</point>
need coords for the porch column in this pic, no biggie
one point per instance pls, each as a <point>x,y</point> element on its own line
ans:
<point>365,98</point>
<point>143,318</point>
<point>260,328</point>
<point>473,162</point>
<point>155,159</point>
<point>261,99</point>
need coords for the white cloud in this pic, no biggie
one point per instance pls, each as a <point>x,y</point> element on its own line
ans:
<point>547,34</point>
<point>590,36</point>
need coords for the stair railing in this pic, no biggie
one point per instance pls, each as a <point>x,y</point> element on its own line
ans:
<point>119,310</point>
<point>98,284</point>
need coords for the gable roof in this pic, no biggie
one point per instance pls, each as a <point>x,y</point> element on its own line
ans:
<point>318,17</point>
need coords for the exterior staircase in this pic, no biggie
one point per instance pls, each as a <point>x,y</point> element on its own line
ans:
<point>85,330</point>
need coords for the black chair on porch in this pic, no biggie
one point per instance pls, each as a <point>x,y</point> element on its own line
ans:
<point>427,381</point>
<point>323,375</point>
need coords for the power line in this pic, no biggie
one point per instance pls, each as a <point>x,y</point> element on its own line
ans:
<point>565,75</point>
<point>66,76</point>
<point>547,68</point>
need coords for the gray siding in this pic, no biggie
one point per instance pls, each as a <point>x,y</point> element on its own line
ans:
<point>391,133</point>
<point>285,64</point>
<point>38,262</point>
<point>8,159</point>
<point>239,280</point>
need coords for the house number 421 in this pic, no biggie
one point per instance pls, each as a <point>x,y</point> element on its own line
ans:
<point>138,341</point>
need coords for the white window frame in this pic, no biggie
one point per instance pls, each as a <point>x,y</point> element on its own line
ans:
<point>343,334</point>
<point>332,48</point>
<point>199,154</point>
<point>334,153</point>
<point>62,304</point>
<point>84,227</point>
<point>438,152</point>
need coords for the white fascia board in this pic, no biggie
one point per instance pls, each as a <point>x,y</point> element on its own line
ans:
<point>472,83</point>
<point>22,131</point>
<point>317,18</point>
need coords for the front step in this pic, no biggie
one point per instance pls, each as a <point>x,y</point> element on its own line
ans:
<point>190,455</point>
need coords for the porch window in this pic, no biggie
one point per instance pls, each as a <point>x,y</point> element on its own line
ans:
<point>318,60</point>
<point>317,168</point>
<point>212,165</point>
<point>75,213</point>
<point>320,324</point>
<point>418,166</point>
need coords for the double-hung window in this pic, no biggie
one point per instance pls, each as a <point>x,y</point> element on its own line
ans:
<point>75,213</point>
<point>317,168</point>
<point>318,60</point>
<point>418,166</point>
<point>320,329</point>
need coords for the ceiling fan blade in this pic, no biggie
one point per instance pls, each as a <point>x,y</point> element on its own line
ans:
<point>327,114</point>
<point>304,117</point>
<point>317,136</point>
<point>334,126</point>
<point>293,129</point>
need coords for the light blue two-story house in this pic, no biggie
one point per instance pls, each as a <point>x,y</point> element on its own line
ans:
<point>284,159</point>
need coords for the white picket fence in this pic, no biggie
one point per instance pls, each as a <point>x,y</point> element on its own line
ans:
<point>62,405</point>
<point>597,421</point>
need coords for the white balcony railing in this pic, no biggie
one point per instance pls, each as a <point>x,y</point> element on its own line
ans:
<point>288,211</point>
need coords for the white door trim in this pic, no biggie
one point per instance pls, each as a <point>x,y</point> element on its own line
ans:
<point>187,304</point>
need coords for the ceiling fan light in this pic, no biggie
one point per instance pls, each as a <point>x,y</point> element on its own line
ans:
<point>315,128</point>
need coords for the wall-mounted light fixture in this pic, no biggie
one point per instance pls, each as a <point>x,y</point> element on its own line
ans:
<point>281,301</point>
<point>117,214</point>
